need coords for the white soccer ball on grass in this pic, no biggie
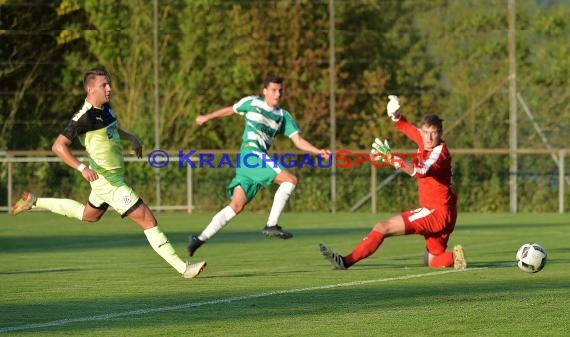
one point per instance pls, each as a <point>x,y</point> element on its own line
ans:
<point>531,257</point>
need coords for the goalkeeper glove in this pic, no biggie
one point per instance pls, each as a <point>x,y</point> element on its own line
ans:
<point>392,108</point>
<point>381,152</point>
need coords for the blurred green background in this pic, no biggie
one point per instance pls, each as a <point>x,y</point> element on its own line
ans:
<point>173,60</point>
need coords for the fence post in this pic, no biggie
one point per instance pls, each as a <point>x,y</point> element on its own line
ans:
<point>562,154</point>
<point>373,183</point>
<point>10,181</point>
<point>189,192</point>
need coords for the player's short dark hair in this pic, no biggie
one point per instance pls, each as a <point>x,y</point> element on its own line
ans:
<point>272,79</point>
<point>433,120</point>
<point>92,73</point>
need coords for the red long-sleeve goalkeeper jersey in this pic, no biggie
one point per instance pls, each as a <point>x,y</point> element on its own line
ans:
<point>433,170</point>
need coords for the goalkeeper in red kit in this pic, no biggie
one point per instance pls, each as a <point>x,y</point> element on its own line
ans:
<point>436,216</point>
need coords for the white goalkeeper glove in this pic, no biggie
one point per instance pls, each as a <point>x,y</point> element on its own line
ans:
<point>392,108</point>
<point>381,152</point>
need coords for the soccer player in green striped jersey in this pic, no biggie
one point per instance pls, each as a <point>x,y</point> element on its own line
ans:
<point>264,120</point>
<point>97,128</point>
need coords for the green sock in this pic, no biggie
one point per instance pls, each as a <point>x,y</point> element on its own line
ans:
<point>162,246</point>
<point>67,207</point>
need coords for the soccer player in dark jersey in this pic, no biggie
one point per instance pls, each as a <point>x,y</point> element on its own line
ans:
<point>97,128</point>
<point>436,216</point>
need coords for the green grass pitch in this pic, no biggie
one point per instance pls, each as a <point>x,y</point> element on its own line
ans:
<point>61,277</point>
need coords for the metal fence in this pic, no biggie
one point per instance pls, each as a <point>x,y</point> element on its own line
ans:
<point>374,180</point>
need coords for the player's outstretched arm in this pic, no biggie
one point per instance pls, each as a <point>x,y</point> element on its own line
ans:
<point>135,141</point>
<point>304,145</point>
<point>223,112</point>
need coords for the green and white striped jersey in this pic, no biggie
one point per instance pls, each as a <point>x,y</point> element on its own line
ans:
<point>262,124</point>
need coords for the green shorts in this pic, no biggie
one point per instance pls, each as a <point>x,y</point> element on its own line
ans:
<point>118,195</point>
<point>252,173</point>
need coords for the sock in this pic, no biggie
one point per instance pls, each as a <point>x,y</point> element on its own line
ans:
<point>162,246</point>
<point>218,222</point>
<point>365,248</point>
<point>69,208</point>
<point>443,260</point>
<point>279,201</point>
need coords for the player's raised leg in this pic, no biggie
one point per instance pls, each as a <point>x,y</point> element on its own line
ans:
<point>367,246</point>
<point>67,207</point>
<point>25,203</point>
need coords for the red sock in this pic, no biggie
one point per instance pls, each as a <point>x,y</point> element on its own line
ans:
<point>442,260</point>
<point>365,248</point>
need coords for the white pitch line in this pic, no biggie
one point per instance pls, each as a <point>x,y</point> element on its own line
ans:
<point>106,317</point>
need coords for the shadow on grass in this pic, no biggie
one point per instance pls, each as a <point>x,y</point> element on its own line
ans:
<point>41,271</point>
<point>218,305</point>
<point>503,226</point>
<point>62,242</point>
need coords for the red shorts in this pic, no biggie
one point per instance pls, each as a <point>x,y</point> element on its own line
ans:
<point>434,224</point>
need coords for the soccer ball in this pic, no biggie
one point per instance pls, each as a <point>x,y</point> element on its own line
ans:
<point>531,257</point>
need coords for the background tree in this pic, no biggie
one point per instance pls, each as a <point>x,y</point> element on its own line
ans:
<point>448,57</point>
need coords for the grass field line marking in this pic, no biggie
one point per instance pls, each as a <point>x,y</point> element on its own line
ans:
<point>110,316</point>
